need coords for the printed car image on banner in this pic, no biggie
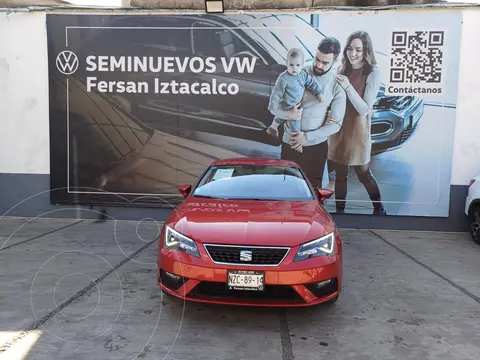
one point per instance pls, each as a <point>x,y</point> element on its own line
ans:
<point>365,103</point>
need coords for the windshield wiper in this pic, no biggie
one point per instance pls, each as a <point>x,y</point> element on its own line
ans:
<point>210,197</point>
<point>261,199</point>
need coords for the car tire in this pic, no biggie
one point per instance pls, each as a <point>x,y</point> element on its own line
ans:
<point>332,301</point>
<point>165,294</point>
<point>474,223</point>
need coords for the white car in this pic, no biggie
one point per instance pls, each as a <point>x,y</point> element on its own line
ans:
<point>472,208</point>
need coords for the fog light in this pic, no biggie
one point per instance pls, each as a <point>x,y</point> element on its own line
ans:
<point>172,281</point>
<point>323,288</point>
<point>323,283</point>
<point>173,276</point>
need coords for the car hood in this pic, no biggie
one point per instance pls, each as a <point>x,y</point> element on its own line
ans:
<point>245,222</point>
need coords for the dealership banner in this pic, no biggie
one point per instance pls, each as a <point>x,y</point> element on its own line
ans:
<point>140,104</point>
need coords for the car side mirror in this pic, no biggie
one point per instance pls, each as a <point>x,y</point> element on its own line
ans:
<point>324,194</point>
<point>184,189</point>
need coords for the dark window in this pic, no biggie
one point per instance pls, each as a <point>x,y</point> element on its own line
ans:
<point>216,42</point>
<point>260,182</point>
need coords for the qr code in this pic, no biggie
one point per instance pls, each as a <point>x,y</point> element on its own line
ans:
<point>417,57</point>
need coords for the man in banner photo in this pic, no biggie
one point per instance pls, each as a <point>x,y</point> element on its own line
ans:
<point>319,120</point>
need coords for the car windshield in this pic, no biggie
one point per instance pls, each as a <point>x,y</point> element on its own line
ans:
<point>254,182</point>
<point>282,32</point>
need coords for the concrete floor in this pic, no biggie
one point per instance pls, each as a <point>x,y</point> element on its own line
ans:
<point>86,290</point>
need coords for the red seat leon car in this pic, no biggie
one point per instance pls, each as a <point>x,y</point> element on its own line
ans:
<point>251,232</point>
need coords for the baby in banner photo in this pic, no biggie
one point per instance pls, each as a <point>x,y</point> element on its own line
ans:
<point>289,89</point>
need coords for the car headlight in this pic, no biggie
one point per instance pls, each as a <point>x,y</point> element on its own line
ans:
<point>176,241</point>
<point>323,246</point>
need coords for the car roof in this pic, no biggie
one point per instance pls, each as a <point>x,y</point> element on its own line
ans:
<point>254,161</point>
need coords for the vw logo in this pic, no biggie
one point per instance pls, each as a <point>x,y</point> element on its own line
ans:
<point>67,62</point>
<point>245,255</point>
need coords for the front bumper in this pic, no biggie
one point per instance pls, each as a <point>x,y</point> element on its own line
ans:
<point>391,129</point>
<point>289,284</point>
<point>472,195</point>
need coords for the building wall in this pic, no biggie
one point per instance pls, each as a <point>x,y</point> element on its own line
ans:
<point>24,94</point>
<point>24,136</point>
<point>466,155</point>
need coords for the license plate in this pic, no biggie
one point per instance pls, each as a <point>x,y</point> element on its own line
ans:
<point>246,280</point>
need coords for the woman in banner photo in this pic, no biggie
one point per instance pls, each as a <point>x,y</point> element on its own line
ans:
<point>359,76</point>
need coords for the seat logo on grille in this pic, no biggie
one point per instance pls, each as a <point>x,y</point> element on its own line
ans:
<point>245,255</point>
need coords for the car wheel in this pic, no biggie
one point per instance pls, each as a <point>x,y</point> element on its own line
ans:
<point>475,224</point>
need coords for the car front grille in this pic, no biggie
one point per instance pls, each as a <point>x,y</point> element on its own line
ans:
<point>260,255</point>
<point>405,134</point>
<point>272,293</point>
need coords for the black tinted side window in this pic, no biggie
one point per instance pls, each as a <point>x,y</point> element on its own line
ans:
<point>171,36</point>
